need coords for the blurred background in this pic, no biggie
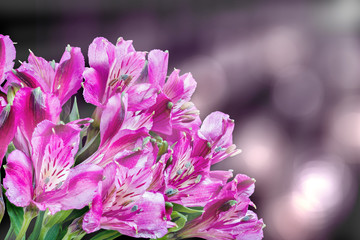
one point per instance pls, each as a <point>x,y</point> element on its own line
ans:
<point>287,72</point>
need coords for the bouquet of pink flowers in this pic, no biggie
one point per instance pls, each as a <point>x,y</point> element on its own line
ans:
<point>140,166</point>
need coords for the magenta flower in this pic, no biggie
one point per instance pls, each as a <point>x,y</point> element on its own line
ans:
<point>62,79</point>
<point>227,216</point>
<point>113,69</point>
<point>214,139</point>
<point>7,56</point>
<point>125,205</point>
<point>121,131</point>
<point>185,175</point>
<point>47,179</point>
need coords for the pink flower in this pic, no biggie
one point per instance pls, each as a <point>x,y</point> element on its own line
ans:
<point>47,179</point>
<point>227,216</point>
<point>214,139</point>
<point>113,69</point>
<point>173,111</point>
<point>121,131</point>
<point>62,79</point>
<point>123,204</point>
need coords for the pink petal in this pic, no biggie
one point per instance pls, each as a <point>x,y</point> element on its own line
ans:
<point>18,179</point>
<point>143,120</point>
<point>158,65</point>
<point>7,56</point>
<point>179,87</point>
<point>123,47</point>
<point>217,128</point>
<point>77,191</point>
<point>162,116</point>
<point>130,185</point>
<point>101,54</point>
<point>91,220</point>
<point>33,106</point>
<point>41,70</point>
<point>68,76</point>
<point>66,135</point>
<point>25,76</point>
<point>124,72</point>
<point>201,193</point>
<point>55,164</point>
<point>185,117</point>
<point>93,86</point>
<point>215,138</point>
<point>123,140</point>
<point>112,117</point>
<point>147,223</point>
<point>150,221</point>
<point>143,96</point>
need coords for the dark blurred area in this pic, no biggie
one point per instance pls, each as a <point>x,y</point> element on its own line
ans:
<point>288,72</point>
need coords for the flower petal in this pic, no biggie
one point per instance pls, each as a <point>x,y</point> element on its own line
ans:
<point>68,76</point>
<point>101,54</point>
<point>44,146</point>
<point>147,223</point>
<point>41,70</point>
<point>55,164</point>
<point>91,220</point>
<point>77,191</point>
<point>158,65</point>
<point>143,96</point>
<point>124,72</point>
<point>112,117</point>
<point>18,179</point>
<point>162,116</point>
<point>94,86</point>
<point>33,106</point>
<point>179,87</point>
<point>7,56</point>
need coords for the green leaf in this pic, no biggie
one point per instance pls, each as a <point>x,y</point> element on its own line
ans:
<point>16,214</point>
<point>62,233</point>
<point>179,219</point>
<point>58,217</point>
<point>77,213</point>
<point>37,228</point>
<point>53,232</point>
<point>66,108</point>
<point>88,149</point>
<point>74,114</point>
<point>106,235</point>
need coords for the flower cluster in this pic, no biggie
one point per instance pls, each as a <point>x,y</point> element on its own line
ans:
<point>140,165</point>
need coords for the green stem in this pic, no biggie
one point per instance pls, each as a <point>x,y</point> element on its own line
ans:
<point>67,236</point>
<point>74,235</point>
<point>43,232</point>
<point>28,216</point>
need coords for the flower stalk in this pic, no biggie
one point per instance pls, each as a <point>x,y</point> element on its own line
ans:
<point>29,214</point>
